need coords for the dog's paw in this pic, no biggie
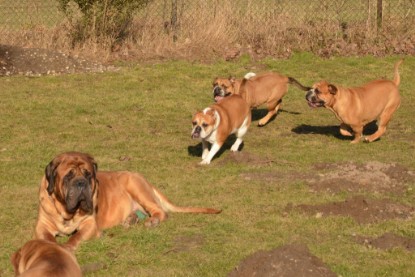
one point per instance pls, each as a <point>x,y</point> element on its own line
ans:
<point>234,148</point>
<point>152,222</point>
<point>366,140</point>
<point>203,162</point>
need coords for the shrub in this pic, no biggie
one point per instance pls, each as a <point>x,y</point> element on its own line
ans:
<point>100,19</point>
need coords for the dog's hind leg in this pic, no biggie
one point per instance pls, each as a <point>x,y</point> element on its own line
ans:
<point>358,131</point>
<point>273,108</point>
<point>240,133</point>
<point>141,191</point>
<point>383,121</point>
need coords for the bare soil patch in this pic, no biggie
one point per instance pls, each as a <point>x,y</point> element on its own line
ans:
<point>387,241</point>
<point>360,208</point>
<point>294,260</point>
<point>15,60</point>
<point>373,177</point>
<point>244,157</point>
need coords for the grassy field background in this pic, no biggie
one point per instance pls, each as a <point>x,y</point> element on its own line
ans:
<point>139,118</point>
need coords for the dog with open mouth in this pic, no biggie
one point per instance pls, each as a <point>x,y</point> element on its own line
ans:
<point>358,106</point>
<point>267,88</point>
<point>214,124</point>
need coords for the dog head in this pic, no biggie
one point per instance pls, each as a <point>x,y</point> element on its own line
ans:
<point>72,181</point>
<point>223,87</point>
<point>321,94</point>
<point>203,123</point>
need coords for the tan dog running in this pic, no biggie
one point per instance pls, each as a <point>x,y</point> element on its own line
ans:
<point>76,200</point>
<point>267,88</point>
<point>215,123</point>
<point>41,258</point>
<point>356,107</point>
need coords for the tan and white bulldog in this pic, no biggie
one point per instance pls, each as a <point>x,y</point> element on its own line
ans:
<point>256,90</point>
<point>356,107</point>
<point>214,124</point>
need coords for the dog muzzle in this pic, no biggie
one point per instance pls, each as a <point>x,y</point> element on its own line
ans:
<point>196,132</point>
<point>312,100</point>
<point>218,93</point>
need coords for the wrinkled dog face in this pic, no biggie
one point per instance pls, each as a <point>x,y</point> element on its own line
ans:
<point>321,95</point>
<point>72,179</point>
<point>203,123</point>
<point>223,87</point>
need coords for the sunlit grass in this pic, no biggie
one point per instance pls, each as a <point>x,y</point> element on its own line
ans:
<point>143,112</point>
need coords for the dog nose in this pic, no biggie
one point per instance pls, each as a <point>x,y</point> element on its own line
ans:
<point>81,184</point>
<point>217,91</point>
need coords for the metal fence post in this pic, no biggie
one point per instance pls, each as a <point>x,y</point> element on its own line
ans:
<point>379,15</point>
<point>174,19</point>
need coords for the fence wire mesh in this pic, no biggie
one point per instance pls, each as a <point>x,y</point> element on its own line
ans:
<point>40,23</point>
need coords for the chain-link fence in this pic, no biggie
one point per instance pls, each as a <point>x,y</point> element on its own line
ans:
<point>259,24</point>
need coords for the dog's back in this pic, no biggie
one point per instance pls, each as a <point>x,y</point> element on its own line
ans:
<point>262,88</point>
<point>41,258</point>
<point>233,110</point>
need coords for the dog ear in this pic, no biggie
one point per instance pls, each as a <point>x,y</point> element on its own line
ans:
<point>15,260</point>
<point>50,173</point>
<point>332,89</point>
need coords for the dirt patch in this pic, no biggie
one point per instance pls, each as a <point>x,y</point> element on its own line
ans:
<point>36,62</point>
<point>361,209</point>
<point>245,157</point>
<point>387,241</point>
<point>294,260</point>
<point>374,177</point>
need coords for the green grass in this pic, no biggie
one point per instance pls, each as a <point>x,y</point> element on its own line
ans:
<point>144,112</point>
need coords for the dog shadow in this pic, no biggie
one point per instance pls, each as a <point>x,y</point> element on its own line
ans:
<point>257,114</point>
<point>196,150</point>
<point>333,130</point>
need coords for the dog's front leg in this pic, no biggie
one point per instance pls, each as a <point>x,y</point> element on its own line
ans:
<point>205,149</point>
<point>87,229</point>
<point>213,150</point>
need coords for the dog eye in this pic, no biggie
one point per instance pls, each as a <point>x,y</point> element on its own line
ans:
<point>194,123</point>
<point>86,173</point>
<point>317,91</point>
<point>204,125</point>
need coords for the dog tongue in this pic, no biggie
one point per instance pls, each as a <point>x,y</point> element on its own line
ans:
<point>218,98</point>
<point>311,104</point>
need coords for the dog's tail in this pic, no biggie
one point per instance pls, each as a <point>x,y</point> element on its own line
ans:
<point>170,207</point>
<point>294,82</point>
<point>396,77</point>
<point>249,75</point>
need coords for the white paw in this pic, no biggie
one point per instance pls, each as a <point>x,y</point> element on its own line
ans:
<point>204,162</point>
<point>234,148</point>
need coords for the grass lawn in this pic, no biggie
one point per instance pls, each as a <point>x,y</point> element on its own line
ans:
<point>139,119</point>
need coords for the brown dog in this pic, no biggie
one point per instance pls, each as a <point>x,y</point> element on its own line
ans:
<point>267,88</point>
<point>356,107</point>
<point>214,124</point>
<point>76,200</point>
<point>41,258</point>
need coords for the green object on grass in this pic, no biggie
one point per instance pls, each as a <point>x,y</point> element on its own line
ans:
<point>140,214</point>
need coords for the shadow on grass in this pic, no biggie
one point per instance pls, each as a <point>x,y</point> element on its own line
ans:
<point>196,150</point>
<point>333,131</point>
<point>257,114</point>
